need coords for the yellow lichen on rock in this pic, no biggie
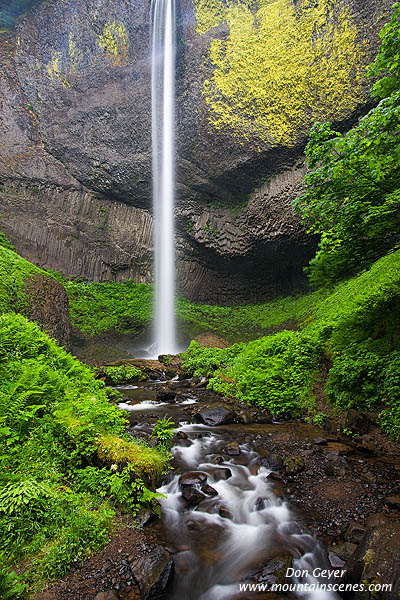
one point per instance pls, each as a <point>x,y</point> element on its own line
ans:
<point>115,42</point>
<point>74,54</point>
<point>53,69</point>
<point>281,68</point>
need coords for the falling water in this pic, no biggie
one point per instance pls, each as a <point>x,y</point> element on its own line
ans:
<point>163,146</point>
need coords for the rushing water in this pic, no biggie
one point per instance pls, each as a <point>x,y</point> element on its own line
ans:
<point>163,147</point>
<point>221,540</point>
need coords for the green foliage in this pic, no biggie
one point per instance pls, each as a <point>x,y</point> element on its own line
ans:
<point>164,431</point>
<point>5,242</point>
<point>273,372</point>
<point>14,271</point>
<point>119,485</point>
<point>356,325</point>
<point>11,587</point>
<point>200,360</point>
<point>352,198</point>
<point>123,307</point>
<point>66,455</point>
<point>387,63</point>
<point>123,374</point>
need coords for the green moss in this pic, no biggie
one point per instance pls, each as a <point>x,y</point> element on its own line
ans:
<point>282,69</point>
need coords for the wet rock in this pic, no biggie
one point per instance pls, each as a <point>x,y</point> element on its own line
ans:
<point>336,466</point>
<point>344,550</point>
<point>261,503</point>
<point>377,560</point>
<point>233,449</point>
<point>393,501</point>
<point>376,520</point>
<point>166,395</point>
<point>217,460</point>
<point>152,572</point>
<point>192,496</point>
<point>263,417</point>
<point>354,532</point>
<point>224,512</point>
<point>244,417</point>
<point>109,595</point>
<point>335,560</point>
<point>209,490</point>
<point>192,478</point>
<point>274,476</point>
<point>145,516</point>
<point>272,461</point>
<point>320,441</point>
<point>356,422</point>
<point>368,478</point>
<point>214,415</point>
<point>293,465</point>
<point>222,474</point>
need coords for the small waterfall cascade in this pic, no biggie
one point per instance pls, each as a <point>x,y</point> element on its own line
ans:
<point>163,148</point>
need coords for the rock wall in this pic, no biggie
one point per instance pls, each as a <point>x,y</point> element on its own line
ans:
<point>75,159</point>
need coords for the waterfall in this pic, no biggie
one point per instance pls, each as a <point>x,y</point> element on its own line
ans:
<point>163,148</point>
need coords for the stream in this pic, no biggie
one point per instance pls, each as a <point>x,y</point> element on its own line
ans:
<point>221,511</point>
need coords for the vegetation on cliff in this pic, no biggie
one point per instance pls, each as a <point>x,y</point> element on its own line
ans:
<point>282,67</point>
<point>352,197</point>
<point>352,200</point>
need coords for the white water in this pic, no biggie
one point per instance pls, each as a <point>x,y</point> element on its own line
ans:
<point>163,147</point>
<point>213,553</point>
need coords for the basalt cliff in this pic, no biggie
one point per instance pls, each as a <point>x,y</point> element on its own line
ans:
<point>252,77</point>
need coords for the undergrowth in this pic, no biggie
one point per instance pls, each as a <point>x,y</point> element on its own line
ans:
<point>356,325</point>
<point>66,458</point>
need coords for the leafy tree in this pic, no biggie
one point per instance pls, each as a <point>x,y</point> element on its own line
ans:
<point>352,196</point>
<point>387,62</point>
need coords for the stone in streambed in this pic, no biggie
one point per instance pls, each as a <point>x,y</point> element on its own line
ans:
<point>320,441</point>
<point>192,496</point>
<point>293,465</point>
<point>354,532</point>
<point>217,460</point>
<point>152,572</point>
<point>232,449</point>
<point>393,501</point>
<point>166,395</point>
<point>272,461</point>
<point>222,474</point>
<point>192,478</point>
<point>376,560</point>
<point>209,490</point>
<point>344,550</point>
<point>109,595</point>
<point>225,513</point>
<point>214,415</point>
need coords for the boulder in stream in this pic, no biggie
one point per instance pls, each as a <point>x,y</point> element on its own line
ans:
<point>216,414</point>
<point>192,478</point>
<point>193,496</point>
<point>166,395</point>
<point>232,449</point>
<point>152,572</point>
